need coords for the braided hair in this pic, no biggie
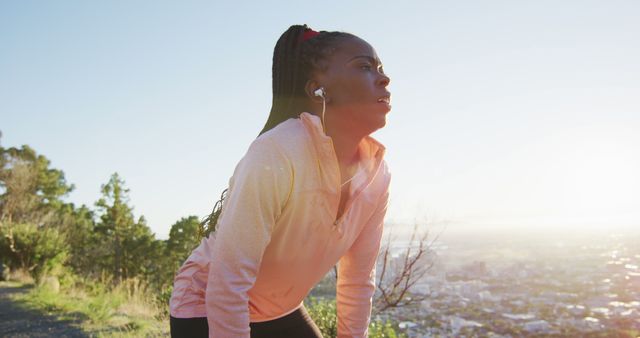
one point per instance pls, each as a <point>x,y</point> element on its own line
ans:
<point>294,61</point>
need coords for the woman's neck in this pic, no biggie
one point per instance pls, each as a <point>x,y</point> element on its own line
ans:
<point>345,142</point>
<point>346,148</point>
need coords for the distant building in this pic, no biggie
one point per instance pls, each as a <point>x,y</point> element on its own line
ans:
<point>522,316</point>
<point>576,310</point>
<point>407,325</point>
<point>475,270</point>
<point>601,311</point>
<point>590,324</point>
<point>458,323</point>
<point>537,326</point>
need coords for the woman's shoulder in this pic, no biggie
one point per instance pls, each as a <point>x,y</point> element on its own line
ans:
<point>289,137</point>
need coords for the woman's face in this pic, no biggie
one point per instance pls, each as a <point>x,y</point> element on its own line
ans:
<point>355,87</point>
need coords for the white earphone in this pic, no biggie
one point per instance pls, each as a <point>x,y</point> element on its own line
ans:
<point>320,92</point>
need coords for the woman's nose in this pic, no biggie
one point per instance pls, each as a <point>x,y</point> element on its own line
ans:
<point>384,80</point>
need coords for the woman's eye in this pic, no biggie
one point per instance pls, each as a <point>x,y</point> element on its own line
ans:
<point>365,67</point>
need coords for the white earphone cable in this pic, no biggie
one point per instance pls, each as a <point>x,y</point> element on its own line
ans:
<point>320,92</point>
<point>324,128</point>
<point>349,180</point>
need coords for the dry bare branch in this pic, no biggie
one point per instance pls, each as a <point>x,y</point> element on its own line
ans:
<point>395,282</point>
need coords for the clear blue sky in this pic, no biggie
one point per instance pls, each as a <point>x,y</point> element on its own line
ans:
<point>505,113</point>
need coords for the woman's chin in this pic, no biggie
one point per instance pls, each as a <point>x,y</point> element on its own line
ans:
<point>380,122</point>
<point>383,107</point>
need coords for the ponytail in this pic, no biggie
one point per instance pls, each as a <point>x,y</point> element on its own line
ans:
<point>287,78</point>
<point>209,223</point>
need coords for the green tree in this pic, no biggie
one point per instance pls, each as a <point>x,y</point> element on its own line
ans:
<point>124,247</point>
<point>142,253</point>
<point>31,190</point>
<point>183,238</point>
<point>31,211</point>
<point>115,224</point>
<point>78,227</point>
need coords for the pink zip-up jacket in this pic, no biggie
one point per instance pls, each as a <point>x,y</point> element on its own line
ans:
<point>278,235</point>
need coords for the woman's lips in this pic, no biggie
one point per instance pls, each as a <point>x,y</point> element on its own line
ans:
<point>386,100</point>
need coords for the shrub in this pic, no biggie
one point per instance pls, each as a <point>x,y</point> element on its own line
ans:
<point>162,301</point>
<point>39,250</point>
<point>323,313</point>
<point>378,329</point>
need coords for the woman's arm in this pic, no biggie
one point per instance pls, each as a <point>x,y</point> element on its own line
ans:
<point>356,283</point>
<point>258,190</point>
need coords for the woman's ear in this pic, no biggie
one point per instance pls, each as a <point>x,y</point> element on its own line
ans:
<point>310,88</point>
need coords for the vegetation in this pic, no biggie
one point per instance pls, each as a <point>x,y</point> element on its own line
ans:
<point>126,310</point>
<point>323,312</point>
<point>100,265</point>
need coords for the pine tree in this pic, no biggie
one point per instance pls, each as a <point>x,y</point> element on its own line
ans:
<point>129,248</point>
<point>115,222</point>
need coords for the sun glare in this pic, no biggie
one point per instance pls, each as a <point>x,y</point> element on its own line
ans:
<point>593,171</point>
<point>571,177</point>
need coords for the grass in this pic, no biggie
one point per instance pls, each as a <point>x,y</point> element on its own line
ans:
<point>126,310</point>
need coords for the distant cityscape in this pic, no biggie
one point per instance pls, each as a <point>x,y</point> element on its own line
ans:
<point>529,286</point>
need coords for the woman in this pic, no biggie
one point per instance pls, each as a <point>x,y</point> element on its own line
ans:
<point>311,191</point>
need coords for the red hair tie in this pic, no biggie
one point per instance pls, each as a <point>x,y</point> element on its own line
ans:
<point>308,34</point>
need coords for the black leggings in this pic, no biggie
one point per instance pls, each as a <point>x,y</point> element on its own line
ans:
<point>296,324</point>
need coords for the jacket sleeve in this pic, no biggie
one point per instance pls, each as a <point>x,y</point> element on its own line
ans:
<point>258,190</point>
<point>356,283</point>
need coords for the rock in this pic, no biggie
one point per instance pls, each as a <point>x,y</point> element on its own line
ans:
<point>51,283</point>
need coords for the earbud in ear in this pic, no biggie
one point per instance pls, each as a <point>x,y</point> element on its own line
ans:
<point>320,92</point>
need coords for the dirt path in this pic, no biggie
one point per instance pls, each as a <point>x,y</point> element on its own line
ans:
<point>15,321</point>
